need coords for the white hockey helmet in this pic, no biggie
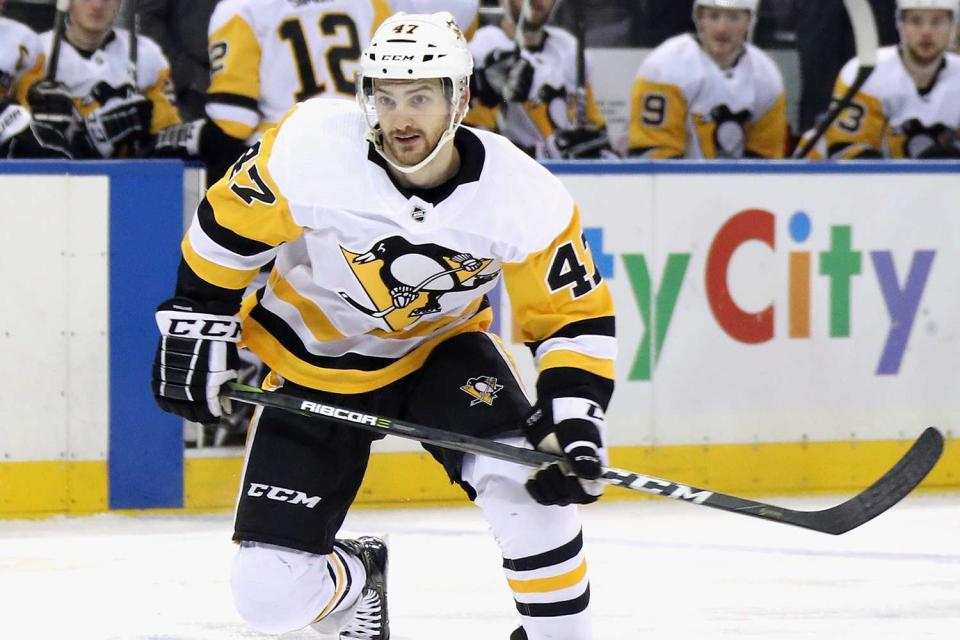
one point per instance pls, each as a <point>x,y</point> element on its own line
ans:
<point>753,6</point>
<point>412,46</point>
<point>953,6</point>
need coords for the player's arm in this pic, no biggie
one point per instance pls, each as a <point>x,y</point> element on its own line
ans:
<point>658,113</point>
<point>565,315</point>
<point>858,130</point>
<point>767,135</point>
<point>163,97</point>
<point>238,228</point>
<point>232,112</point>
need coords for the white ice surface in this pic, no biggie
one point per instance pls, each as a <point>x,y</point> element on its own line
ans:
<point>658,570</point>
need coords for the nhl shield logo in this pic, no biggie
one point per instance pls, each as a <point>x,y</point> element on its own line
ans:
<point>482,389</point>
<point>418,214</point>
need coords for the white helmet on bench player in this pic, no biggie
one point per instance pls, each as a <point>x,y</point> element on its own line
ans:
<point>953,6</point>
<point>416,47</point>
<point>753,6</point>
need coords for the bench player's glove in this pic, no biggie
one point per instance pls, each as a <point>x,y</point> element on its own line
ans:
<point>574,428</point>
<point>197,354</point>
<point>51,104</point>
<point>583,143</point>
<point>504,77</point>
<point>124,118</point>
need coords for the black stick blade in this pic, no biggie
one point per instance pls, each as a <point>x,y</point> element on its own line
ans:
<point>890,489</point>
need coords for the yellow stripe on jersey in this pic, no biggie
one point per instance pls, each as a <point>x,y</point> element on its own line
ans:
<point>161,94</point>
<point>564,358</point>
<point>280,359</point>
<point>214,273</point>
<point>557,286</point>
<point>235,70</point>
<point>381,11</point>
<point>658,115</point>
<point>482,116</point>
<point>555,583</point>
<point>425,327</point>
<point>313,317</point>
<point>862,123</point>
<point>264,215</point>
<point>767,136</point>
<point>30,78</point>
<point>594,114</point>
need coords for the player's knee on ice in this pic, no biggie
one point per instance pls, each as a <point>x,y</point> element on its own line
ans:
<point>276,589</point>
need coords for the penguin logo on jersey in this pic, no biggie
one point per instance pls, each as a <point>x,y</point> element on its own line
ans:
<point>406,281</point>
<point>482,389</point>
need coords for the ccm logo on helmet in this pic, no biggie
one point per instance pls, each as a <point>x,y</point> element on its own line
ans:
<point>282,495</point>
<point>397,57</point>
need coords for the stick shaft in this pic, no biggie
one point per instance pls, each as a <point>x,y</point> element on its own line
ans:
<point>879,497</point>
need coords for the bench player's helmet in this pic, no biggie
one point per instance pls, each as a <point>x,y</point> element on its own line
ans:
<point>743,5</point>
<point>953,6</point>
<point>410,46</point>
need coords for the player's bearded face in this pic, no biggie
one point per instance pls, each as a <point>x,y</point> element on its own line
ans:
<point>413,114</point>
<point>723,31</point>
<point>926,33</point>
<point>94,15</point>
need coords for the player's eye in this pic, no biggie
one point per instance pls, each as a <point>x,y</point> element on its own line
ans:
<point>385,102</point>
<point>420,100</point>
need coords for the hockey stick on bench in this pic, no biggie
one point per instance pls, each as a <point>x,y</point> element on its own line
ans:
<point>867,42</point>
<point>880,496</point>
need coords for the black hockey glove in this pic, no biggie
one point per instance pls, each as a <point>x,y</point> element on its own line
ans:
<point>21,137</point>
<point>197,354</point>
<point>124,118</point>
<point>505,77</point>
<point>580,143</point>
<point>51,104</point>
<point>180,141</point>
<point>575,428</point>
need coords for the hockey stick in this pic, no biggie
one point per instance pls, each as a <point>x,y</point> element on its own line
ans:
<point>880,496</point>
<point>580,94</point>
<point>134,48</point>
<point>867,41</point>
<point>59,26</point>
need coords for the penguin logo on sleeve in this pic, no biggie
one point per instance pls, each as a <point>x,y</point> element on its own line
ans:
<point>406,281</point>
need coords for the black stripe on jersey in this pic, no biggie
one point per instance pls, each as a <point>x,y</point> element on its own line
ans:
<point>287,337</point>
<point>605,326</point>
<point>547,558</point>
<point>215,299</point>
<point>290,341</point>
<point>571,381</point>
<point>554,609</point>
<point>226,238</point>
<point>234,100</point>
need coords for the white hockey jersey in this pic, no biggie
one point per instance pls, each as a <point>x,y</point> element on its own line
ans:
<point>110,64</point>
<point>890,115</point>
<point>685,106</point>
<point>549,106</point>
<point>20,57</point>
<point>369,278</point>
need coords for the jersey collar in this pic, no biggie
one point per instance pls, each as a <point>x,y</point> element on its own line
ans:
<point>472,155</point>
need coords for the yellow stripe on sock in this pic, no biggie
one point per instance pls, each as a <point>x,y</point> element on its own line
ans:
<point>341,585</point>
<point>556,583</point>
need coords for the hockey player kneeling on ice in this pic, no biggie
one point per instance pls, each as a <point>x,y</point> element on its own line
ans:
<point>389,222</point>
<point>909,107</point>
<point>710,95</point>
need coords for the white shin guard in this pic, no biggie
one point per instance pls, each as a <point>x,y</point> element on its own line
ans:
<point>276,589</point>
